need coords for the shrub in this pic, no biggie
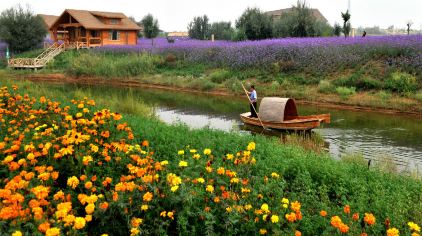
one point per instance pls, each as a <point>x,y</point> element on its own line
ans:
<point>233,84</point>
<point>203,84</point>
<point>401,82</point>
<point>219,76</point>
<point>383,95</point>
<point>345,92</point>
<point>418,96</point>
<point>325,86</point>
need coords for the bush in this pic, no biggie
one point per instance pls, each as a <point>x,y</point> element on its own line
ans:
<point>401,82</point>
<point>325,86</point>
<point>219,76</point>
<point>418,96</point>
<point>345,92</point>
<point>233,84</point>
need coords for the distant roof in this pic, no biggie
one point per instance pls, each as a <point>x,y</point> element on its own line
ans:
<point>48,19</point>
<point>178,34</point>
<point>277,13</point>
<point>89,20</point>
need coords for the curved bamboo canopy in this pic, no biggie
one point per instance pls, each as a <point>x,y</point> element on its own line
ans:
<point>275,109</point>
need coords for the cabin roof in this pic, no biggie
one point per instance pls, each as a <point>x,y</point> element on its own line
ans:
<point>48,19</point>
<point>89,20</point>
<point>275,109</point>
<point>278,13</point>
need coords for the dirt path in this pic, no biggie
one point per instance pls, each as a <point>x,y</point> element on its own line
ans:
<point>61,78</point>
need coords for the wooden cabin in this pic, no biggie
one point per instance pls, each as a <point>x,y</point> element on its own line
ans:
<point>94,28</point>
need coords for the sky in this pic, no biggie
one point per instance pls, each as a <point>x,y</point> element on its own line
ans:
<point>174,15</point>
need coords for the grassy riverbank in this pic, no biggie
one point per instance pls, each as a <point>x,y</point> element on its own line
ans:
<point>372,84</point>
<point>315,180</point>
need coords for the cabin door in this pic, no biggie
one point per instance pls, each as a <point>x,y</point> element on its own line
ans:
<point>127,37</point>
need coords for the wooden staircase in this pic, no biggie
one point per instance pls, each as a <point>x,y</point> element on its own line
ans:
<point>39,62</point>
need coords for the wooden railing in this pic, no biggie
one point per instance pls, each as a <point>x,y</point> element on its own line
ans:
<point>40,61</point>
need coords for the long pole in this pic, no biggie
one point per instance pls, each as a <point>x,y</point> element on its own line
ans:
<point>246,92</point>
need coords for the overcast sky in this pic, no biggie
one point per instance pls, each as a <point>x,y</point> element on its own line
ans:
<point>174,15</point>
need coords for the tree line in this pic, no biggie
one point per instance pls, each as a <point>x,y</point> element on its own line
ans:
<point>255,24</point>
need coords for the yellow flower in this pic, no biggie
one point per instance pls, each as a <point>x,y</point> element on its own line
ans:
<point>52,232</point>
<point>208,169</point>
<point>94,148</point>
<point>17,233</point>
<point>209,188</point>
<point>229,209</point>
<point>393,232</point>
<point>90,208</point>
<point>79,223</point>
<point>173,179</point>
<point>285,202</point>
<point>174,188</point>
<point>274,219</point>
<point>73,182</point>
<point>221,171</point>
<point>144,207</point>
<point>181,152</point>
<point>229,156</point>
<point>183,164</point>
<point>265,208</point>
<point>275,175</point>
<point>248,207</point>
<point>196,156</point>
<point>414,226</point>
<point>163,163</point>
<point>192,151</point>
<point>134,231</point>
<point>79,115</point>
<point>207,151</point>
<point>262,231</point>
<point>200,180</point>
<point>88,218</point>
<point>251,146</point>
<point>86,160</point>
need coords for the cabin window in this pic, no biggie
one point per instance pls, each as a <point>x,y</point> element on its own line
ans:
<point>114,35</point>
<point>114,21</point>
<point>95,33</point>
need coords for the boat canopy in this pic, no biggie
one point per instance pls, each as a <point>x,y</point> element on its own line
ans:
<point>275,109</point>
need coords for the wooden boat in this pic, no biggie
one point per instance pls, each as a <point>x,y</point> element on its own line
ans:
<point>281,113</point>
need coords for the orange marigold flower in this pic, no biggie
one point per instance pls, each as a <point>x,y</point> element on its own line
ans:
<point>298,233</point>
<point>369,218</point>
<point>393,232</point>
<point>147,196</point>
<point>291,217</point>
<point>323,213</point>
<point>347,209</point>
<point>295,206</point>
<point>43,227</point>
<point>336,221</point>
<point>104,205</point>
<point>355,217</point>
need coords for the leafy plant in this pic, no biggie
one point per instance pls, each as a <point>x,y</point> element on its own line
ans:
<point>401,82</point>
<point>345,92</point>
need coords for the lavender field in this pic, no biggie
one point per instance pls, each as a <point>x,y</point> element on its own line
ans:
<point>314,55</point>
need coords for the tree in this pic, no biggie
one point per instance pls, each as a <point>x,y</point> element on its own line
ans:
<point>151,27</point>
<point>222,30</point>
<point>300,22</point>
<point>409,24</point>
<point>256,24</point>
<point>337,29</point>
<point>21,29</point>
<point>199,28</point>
<point>346,23</point>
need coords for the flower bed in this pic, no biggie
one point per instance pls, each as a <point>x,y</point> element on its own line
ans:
<point>315,55</point>
<point>79,170</point>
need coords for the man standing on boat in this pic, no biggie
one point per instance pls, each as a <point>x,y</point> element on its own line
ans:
<point>253,97</point>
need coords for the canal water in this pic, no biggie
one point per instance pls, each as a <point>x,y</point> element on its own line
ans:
<point>378,137</point>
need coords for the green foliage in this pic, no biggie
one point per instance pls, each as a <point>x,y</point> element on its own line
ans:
<point>346,23</point>
<point>199,27</point>
<point>345,92</point>
<point>300,22</point>
<point>325,86</point>
<point>109,65</point>
<point>383,95</point>
<point>203,84</point>
<point>255,23</point>
<point>21,29</point>
<point>221,30</point>
<point>359,81</point>
<point>337,29</point>
<point>151,27</point>
<point>219,76</point>
<point>239,35</point>
<point>418,96</point>
<point>401,82</point>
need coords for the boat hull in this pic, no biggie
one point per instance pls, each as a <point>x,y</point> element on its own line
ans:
<point>297,123</point>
